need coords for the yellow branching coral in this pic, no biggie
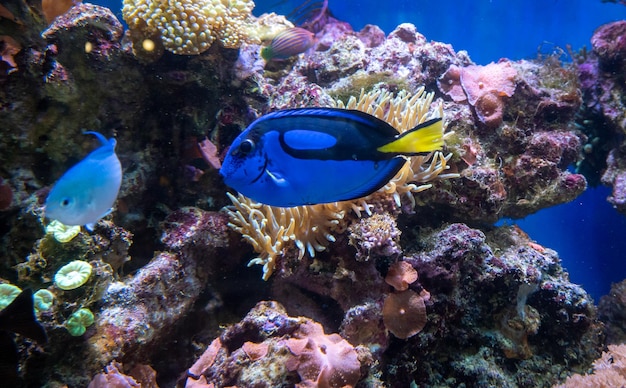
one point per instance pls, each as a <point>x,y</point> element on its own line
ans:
<point>189,26</point>
<point>270,230</point>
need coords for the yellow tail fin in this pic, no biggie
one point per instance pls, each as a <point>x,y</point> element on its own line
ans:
<point>426,137</point>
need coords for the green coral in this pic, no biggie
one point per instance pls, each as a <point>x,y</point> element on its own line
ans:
<point>8,292</point>
<point>73,275</point>
<point>43,300</point>
<point>78,322</point>
<point>62,233</point>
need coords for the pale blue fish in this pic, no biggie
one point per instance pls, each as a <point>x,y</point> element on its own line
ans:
<point>87,191</point>
<point>288,43</point>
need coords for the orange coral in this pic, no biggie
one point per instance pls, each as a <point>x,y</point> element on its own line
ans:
<point>609,371</point>
<point>53,8</point>
<point>206,360</point>
<point>404,313</point>
<point>8,48</point>
<point>322,360</point>
<point>400,275</point>
<point>255,351</point>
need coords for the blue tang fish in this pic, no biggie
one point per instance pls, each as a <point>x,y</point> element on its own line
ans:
<point>309,156</point>
<point>87,191</point>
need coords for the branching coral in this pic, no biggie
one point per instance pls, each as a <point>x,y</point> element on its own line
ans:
<point>189,26</point>
<point>270,229</point>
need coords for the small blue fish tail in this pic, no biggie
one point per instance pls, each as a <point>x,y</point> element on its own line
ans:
<point>103,140</point>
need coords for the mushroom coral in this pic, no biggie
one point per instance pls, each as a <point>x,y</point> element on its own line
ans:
<point>400,275</point>
<point>322,360</point>
<point>8,292</point>
<point>189,26</point>
<point>404,313</point>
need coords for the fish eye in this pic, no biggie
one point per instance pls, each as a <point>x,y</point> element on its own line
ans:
<point>246,146</point>
<point>65,202</point>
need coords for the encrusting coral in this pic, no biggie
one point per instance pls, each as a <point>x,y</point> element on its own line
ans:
<point>270,229</point>
<point>189,26</point>
<point>484,87</point>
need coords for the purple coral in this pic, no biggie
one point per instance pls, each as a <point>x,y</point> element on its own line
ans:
<point>375,236</point>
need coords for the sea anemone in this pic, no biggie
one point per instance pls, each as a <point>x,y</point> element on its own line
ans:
<point>270,230</point>
<point>73,275</point>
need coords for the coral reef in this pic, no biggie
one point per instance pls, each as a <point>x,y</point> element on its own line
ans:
<point>268,348</point>
<point>612,311</point>
<point>609,371</point>
<point>168,277</point>
<point>602,119</point>
<point>188,27</point>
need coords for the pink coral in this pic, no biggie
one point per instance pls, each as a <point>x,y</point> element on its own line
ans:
<point>322,360</point>
<point>450,84</point>
<point>608,41</point>
<point>484,87</point>
<point>113,378</point>
<point>494,78</point>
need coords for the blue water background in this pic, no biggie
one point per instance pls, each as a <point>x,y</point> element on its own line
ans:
<point>588,233</point>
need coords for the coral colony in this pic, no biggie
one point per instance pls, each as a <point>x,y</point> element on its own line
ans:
<point>187,283</point>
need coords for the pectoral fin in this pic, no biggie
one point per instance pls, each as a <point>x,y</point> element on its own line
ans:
<point>277,178</point>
